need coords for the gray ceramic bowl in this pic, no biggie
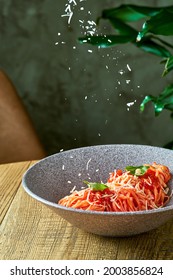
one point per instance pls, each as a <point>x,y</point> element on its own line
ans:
<point>54,177</point>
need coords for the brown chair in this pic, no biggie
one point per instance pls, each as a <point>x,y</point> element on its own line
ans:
<point>18,138</point>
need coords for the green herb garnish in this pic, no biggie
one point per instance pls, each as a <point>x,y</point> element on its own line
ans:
<point>96,186</point>
<point>137,170</point>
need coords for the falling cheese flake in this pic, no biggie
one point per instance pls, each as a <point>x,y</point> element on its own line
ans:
<point>127,81</point>
<point>130,104</point>
<point>89,27</point>
<point>121,72</point>
<point>87,165</point>
<point>91,22</point>
<point>73,1</point>
<point>128,67</point>
<point>69,7</point>
<point>90,51</point>
<point>63,167</point>
<point>91,32</point>
<point>73,189</point>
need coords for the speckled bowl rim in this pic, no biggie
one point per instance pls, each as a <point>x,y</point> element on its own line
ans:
<point>89,212</point>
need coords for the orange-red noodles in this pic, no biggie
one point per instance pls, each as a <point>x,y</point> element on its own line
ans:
<point>136,188</point>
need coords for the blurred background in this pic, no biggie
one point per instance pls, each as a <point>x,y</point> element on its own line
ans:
<point>79,95</point>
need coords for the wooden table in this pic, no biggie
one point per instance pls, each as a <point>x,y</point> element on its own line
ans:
<point>29,230</point>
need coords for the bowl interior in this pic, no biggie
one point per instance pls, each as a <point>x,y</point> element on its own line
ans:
<point>55,176</point>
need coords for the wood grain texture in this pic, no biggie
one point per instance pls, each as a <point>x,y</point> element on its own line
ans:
<point>30,230</point>
<point>10,179</point>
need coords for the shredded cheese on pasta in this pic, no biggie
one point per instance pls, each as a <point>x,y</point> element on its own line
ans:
<point>125,192</point>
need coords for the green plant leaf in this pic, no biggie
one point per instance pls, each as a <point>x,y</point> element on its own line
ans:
<point>137,170</point>
<point>126,34</point>
<point>160,24</point>
<point>163,101</point>
<point>147,99</point>
<point>96,186</point>
<point>150,46</point>
<point>146,45</point>
<point>105,41</point>
<point>131,12</point>
<point>168,66</point>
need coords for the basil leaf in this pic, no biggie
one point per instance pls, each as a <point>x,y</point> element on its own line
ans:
<point>137,170</point>
<point>96,186</point>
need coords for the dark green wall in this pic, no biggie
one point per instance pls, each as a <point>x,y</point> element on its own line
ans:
<point>75,97</point>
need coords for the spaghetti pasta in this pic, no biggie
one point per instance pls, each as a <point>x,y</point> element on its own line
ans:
<point>137,188</point>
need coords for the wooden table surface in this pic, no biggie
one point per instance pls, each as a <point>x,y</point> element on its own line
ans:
<point>30,230</point>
